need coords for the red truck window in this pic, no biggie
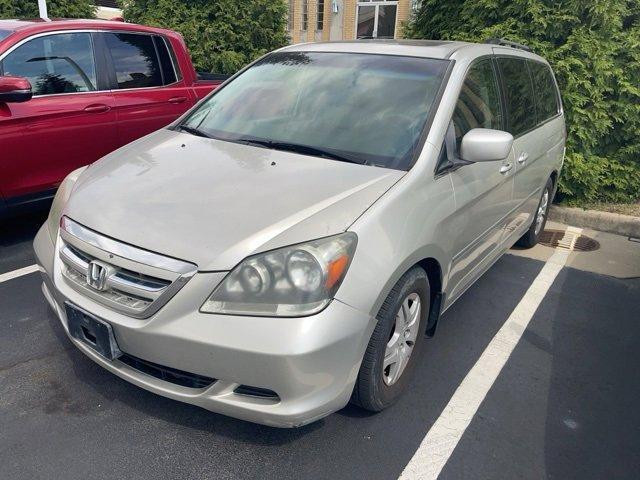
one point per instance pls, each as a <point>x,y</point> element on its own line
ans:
<point>135,60</point>
<point>167,65</point>
<point>58,63</point>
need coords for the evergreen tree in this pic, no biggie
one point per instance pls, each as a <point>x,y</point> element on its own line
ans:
<point>594,49</point>
<point>55,9</point>
<point>222,35</point>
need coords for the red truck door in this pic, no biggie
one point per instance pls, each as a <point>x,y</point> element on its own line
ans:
<point>67,124</point>
<point>149,91</point>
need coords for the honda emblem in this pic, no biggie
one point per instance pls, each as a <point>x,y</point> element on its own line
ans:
<point>97,275</point>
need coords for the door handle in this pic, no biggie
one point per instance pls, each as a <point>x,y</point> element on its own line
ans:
<point>97,108</point>
<point>177,99</point>
<point>506,168</point>
<point>524,156</point>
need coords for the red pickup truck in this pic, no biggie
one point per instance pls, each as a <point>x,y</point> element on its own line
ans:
<point>72,91</point>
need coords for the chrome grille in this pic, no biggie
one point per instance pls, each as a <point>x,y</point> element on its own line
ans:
<point>134,281</point>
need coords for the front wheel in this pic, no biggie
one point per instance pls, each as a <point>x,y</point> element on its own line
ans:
<point>392,350</point>
<point>532,236</point>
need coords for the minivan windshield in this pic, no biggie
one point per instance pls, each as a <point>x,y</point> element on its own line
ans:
<point>361,108</point>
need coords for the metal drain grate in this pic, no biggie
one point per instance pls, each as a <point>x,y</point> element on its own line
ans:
<point>586,244</point>
<point>568,241</point>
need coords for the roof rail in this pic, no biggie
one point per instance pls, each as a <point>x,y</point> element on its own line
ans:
<point>507,43</point>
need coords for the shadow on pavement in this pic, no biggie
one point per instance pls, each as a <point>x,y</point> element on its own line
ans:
<point>16,235</point>
<point>565,404</point>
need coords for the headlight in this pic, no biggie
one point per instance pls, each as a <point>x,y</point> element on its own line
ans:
<point>288,282</point>
<point>60,200</point>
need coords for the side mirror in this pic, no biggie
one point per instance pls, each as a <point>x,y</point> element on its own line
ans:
<point>485,145</point>
<point>14,89</point>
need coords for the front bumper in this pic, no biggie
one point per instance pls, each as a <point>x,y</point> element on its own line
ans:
<point>311,363</point>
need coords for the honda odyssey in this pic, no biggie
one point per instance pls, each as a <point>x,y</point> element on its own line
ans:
<point>289,244</point>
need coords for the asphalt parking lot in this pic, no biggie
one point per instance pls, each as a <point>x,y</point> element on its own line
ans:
<point>564,406</point>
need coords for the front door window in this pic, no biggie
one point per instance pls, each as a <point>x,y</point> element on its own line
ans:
<point>55,64</point>
<point>376,19</point>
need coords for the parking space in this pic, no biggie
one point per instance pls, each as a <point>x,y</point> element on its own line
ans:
<point>562,407</point>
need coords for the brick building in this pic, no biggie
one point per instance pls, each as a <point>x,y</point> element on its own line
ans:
<point>323,20</point>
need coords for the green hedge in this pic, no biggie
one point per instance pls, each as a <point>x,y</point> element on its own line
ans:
<point>55,9</point>
<point>594,48</point>
<point>222,35</point>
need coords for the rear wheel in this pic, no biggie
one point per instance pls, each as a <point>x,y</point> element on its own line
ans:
<point>391,353</point>
<point>532,236</point>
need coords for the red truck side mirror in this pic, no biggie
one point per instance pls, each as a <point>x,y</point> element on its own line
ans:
<point>14,89</point>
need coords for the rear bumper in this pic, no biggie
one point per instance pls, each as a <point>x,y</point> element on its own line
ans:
<point>311,363</point>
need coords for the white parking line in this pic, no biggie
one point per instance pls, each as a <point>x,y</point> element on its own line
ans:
<point>18,273</point>
<point>441,440</point>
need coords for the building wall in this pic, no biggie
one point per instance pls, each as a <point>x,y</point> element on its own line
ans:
<point>337,26</point>
<point>107,9</point>
<point>107,13</point>
<point>336,22</point>
<point>404,12</point>
<point>349,20</point>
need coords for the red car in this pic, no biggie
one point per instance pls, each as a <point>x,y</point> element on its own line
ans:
<point>72,91</point>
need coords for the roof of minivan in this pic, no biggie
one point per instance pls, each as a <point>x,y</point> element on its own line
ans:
<point>415,48</point>
<point>418,48</point>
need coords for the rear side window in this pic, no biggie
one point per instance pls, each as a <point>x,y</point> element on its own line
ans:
<point>547,104</point>
<point>521,112</point>
<point>54,64</point>
<point>478,105</point>
<point>168,71</point>
<point>134,59</point>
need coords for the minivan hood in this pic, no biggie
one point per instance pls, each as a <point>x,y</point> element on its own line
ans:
<point>214,203</point>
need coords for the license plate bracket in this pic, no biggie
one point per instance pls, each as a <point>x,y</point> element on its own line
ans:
<point>92,331</point>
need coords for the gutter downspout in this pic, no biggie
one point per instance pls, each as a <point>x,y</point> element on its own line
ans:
<point>42,7</point>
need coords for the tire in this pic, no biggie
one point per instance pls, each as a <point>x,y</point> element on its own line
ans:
<point>379,386</point>
<point>531,238</point>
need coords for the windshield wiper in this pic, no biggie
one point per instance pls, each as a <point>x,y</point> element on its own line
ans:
<point>193,131</point>
<point>302,149</point>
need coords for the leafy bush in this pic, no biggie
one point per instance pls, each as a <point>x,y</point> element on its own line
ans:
<point>594,49</point>
<point>55,9</point>
<point>222,35</point>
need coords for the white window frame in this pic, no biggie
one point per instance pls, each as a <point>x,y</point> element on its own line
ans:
<point>377,4</point>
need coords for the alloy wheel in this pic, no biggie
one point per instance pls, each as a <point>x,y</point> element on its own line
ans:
<point>402,339</point>
<point>542,211</point>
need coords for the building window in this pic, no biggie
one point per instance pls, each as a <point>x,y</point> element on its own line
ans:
<point>376,19</point>
<point>320,17</point>
<point>290,16</point>
<point>305,14</point>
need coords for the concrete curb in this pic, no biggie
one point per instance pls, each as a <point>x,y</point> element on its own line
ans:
<point>603,221</point>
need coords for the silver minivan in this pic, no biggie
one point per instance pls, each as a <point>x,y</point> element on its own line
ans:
<point>290,243</point>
